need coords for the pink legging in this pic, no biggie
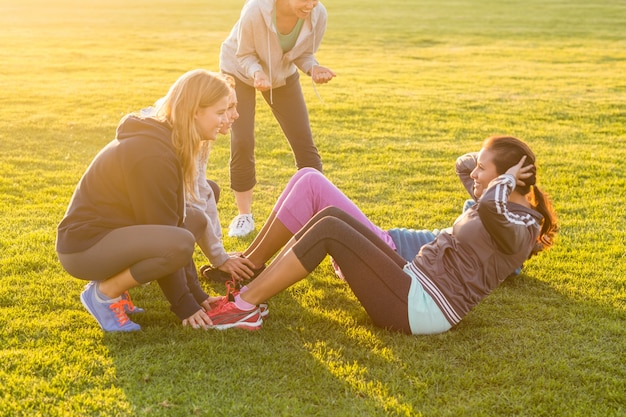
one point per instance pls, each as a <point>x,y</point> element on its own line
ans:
<point>307,193</point>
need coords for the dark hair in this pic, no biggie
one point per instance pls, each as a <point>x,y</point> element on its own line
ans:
<point>507,152</point>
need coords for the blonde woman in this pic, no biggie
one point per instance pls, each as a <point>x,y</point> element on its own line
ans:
<point>127,225</point>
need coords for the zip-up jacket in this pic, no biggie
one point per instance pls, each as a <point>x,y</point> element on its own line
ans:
<point>253,44</point>
<point>488,242</point>
<point>211,240</point>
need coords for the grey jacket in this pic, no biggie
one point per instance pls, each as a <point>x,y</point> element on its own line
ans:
<point>210,242</point>
<point>487,243</point>
<point>253,44</point>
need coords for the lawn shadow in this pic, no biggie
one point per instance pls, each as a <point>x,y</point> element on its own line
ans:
<point>319,354</point>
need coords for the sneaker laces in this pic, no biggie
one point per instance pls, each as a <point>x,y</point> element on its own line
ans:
<point>232,287</point>
<point>241,221</point>
<point>232,290</point>
<point>118,309</point>
<point>129,303</point>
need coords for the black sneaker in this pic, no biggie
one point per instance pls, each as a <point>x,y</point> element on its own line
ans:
<point>214,274</point>
<point>256,273</point>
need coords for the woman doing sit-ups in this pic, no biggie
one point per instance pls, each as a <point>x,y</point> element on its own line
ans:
<point>511,221</point>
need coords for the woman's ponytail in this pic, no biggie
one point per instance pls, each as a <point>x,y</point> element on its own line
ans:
<point>509,151</point>
<point>549,226</point>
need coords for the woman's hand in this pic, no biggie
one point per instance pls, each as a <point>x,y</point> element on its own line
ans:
<point>261,81</point>
<point>521,172</point>
<point>206,304</point>
<point>322,75</point>
<point>238,266</point>
<point>199,319</point>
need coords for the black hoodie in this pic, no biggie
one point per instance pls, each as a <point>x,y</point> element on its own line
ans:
<point>135,179</point>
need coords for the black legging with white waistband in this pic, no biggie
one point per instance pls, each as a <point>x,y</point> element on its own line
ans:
<point>371,268</point>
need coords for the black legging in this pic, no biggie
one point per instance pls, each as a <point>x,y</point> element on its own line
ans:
<point>289,109</point>
<point>150,251</point>
<point>373,270</point>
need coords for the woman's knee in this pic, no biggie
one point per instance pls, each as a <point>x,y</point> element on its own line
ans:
<point>196,221</point>
<point>330,226</point>
<point>181,248</point>
<point>216,190</point>
<point>333,211</point>
<point>314,182</point>
<point>306,171</point>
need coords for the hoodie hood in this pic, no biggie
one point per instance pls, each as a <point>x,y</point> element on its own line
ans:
<point>133,125</point>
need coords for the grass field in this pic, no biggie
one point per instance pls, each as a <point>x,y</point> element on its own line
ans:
<point>419,83</point>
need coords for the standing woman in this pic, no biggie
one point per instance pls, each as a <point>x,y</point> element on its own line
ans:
<point>269,43</point>
<point>126,224</point>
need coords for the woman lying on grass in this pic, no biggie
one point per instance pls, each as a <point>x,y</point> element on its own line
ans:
<point>511,221</point>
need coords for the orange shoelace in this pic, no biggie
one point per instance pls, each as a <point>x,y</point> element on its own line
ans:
<point>118,309</point>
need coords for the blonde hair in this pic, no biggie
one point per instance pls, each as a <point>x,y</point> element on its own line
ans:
<point>192,91</point>
<point>230,80</point>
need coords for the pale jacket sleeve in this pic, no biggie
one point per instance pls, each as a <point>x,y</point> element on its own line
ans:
<point>251,28</point>
<point>512,231</point>
<point>211,241</point>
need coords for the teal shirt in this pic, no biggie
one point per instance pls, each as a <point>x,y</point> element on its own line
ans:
<point>288,41</point>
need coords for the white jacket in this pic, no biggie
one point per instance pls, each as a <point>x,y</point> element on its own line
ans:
<point>210,242</point>
<point>253,44</point>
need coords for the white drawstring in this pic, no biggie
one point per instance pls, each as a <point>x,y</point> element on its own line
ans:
<point>269,64</point>
<point>315,88</point>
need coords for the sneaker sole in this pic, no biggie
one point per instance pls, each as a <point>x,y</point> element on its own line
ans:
<point>231,234</point>
<point>215,275</point>
<point>240,325</point>
<point>242,322</point>
<point>84,303</point>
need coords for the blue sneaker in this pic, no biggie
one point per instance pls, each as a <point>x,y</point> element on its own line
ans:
<point>129,306</point>
<point>111,316</point>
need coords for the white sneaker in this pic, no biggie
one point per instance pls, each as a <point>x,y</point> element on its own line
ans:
<point>242,225</point>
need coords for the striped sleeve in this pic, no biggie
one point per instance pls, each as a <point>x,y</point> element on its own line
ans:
<point>509,229</point>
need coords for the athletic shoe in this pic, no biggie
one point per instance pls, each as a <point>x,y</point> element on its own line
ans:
<point>228,315</point>
<point>111,316</point>
<point>232,290</point>
<point>214,275</point>
<point>242,225</point>
<point>264,308</point>
<point>217,275</point>
<point>129,306</point>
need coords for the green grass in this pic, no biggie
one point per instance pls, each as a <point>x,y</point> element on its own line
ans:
<point>418,84</point>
